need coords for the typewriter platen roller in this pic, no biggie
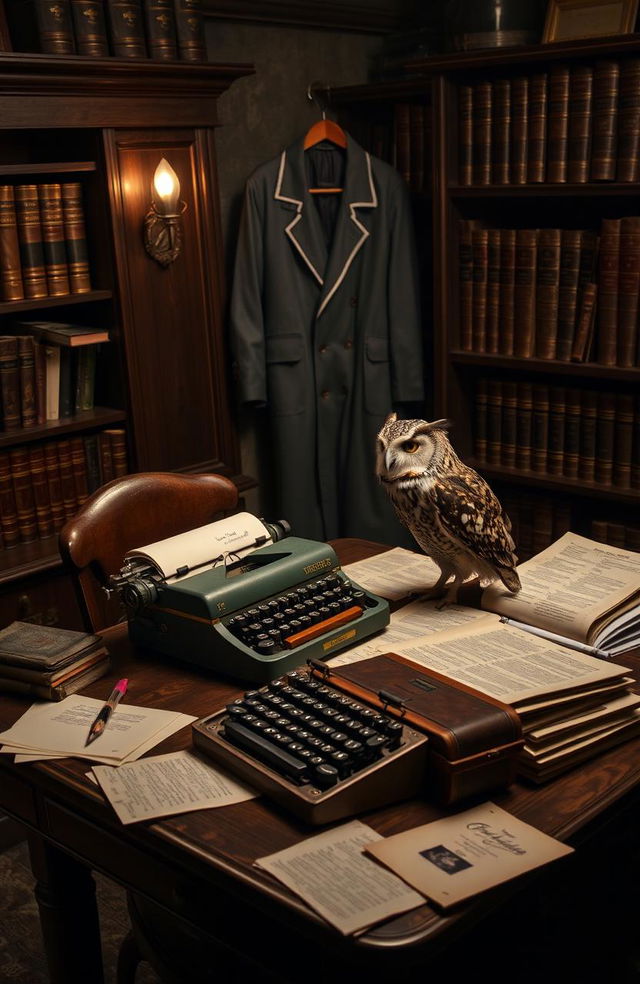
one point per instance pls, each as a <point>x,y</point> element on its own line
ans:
<point>244,599</point>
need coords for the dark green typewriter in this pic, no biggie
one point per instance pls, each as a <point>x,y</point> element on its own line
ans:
<point>249,602</point>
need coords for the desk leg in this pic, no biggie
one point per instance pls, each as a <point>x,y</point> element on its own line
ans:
<point>66,895</point>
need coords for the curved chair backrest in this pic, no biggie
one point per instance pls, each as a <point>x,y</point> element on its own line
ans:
<point>131,512</point>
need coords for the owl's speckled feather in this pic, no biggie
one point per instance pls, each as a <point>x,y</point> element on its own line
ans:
<point>448,508</point>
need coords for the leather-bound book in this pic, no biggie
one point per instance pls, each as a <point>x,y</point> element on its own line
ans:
<point>41,381</point>
<point>480,422</point>
<point>547,292</point>
<point>635,446</point>
<point>509,424</point>
<point>126,28</point>
<point>480,241</point>
<point>537,132</point>
<point>628,288</point>
<point>67,480</point>
<point>66,383</point>
<point>605,437</point>
<point>92,459</point>
<point>11,288</point>
<point>30,239</point>
<point>540,428</point>
<point>585,321</point>
<point>75,237</point>
<point>507,287</point>
<point>628,147</point>
<point>606,83</point>
<point>9,383</point>
<point>54,483</point>
<point>493,291</point>
<point>623,441</point>
<point>555,459</point>
<point>524,292</point>
<point>608,274</point>
<point>500,132</point>
<point>40,486</point>
<point>86,359</point>
<point>465,255</point>
<point>39,25</point>
<point>482,113</point>
<point>558,126</point>
<point>580,109</point>
<point>599,530</point>
<point>118,441</point>
<point>53,238</point>
<point>27,373</point>
<point>106,458</point>
<point>524,426</point>
<point>542,525</point>
<point>632,538</point>
<point>90,27</point>
<point>465,135</point>
<point>561,519</point>
<point>52,381</point>
<point>571,433</point>
<point>568,291</point>
<point>8,509</point>
<point>588,419</point>
<point>79,468</point>
<point>23,491</point>
<point>190,30</point>
<point>402,141</point>
<point>160,22</point>
<point>518,150</point>
<point>494,421</point>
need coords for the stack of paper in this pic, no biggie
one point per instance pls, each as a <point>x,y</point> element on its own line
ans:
<point>59,730</point>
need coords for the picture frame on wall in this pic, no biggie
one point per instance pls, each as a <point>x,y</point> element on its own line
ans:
<point>569,20</point>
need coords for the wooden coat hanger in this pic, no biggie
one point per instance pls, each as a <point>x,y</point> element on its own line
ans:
<point>323,129</point>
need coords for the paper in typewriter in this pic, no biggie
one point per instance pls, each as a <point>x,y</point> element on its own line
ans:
<point>232,537</point>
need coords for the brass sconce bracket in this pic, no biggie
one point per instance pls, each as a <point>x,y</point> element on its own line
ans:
<point>163,235</point>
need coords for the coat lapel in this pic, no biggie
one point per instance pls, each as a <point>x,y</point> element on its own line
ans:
<point>351,232</point>
<point>303,227</point>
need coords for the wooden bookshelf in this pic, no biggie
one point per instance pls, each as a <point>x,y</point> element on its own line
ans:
<point>460,195</point>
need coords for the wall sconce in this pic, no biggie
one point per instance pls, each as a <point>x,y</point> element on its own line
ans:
<point>162,226</point>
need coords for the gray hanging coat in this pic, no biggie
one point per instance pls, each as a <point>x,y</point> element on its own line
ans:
<point>328,337</point>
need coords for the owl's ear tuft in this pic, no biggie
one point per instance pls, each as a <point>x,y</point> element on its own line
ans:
<point>431,425</point>
<point>391,418</point>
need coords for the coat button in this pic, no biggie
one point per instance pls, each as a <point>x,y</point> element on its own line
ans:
<point>322,349</point>
<point>348,344</point>
<point>325,394</point>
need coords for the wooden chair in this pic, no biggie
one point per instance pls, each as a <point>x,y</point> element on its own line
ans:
<point>131,512</point>
<point>126,513</point>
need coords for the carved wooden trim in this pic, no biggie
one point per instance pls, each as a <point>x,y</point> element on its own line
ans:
<point>313,13</point>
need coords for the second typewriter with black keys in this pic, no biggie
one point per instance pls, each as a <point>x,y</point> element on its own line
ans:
<point>243,598</point>
<point>329,742</point>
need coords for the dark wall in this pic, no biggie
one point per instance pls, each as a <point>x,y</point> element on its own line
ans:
<point>260,116</point>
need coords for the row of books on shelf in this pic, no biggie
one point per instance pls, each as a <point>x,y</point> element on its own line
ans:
<point>160,29</point>
<point>43,485</point>
<point>559,431</point>
<point>574,124</point>
<point>537,521</point>
<point>564,294</point>
<point>43,242</point>
<point>411,152</point>
<point>43,376</point>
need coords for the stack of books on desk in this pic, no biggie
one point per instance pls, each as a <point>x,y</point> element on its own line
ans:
<point>49,663</point>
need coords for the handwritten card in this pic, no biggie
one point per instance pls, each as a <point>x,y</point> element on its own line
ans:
<point>455,858</point>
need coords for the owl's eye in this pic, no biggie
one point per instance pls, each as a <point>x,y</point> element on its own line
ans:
<point>410,446</point>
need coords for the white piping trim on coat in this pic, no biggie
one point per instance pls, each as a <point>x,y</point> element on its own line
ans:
<point>365,235</point>
<point>290,227</point>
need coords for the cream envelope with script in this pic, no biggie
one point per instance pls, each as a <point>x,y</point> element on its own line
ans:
<point>459,856</point>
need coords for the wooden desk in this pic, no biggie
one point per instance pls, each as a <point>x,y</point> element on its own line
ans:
<point>200,865</point>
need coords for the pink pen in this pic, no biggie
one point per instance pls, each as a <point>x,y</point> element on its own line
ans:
<point>106,711</point>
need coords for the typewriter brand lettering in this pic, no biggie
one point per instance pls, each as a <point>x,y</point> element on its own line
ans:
<point>221,606</point>
<point>318,566</point>
<point>338,639</point>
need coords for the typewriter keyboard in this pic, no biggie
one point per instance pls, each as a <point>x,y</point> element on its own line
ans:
<point>307,743</point>
<point>299,616</point>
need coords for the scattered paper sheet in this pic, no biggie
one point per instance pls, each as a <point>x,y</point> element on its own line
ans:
<point>162,785</point>
<point>455,858</point>
<point>394,574</point>
<point>411,624</point>
<point>331,873</point>
<point>61,729</point>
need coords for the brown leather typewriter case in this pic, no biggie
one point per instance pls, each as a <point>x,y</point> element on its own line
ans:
<point>474,740</point>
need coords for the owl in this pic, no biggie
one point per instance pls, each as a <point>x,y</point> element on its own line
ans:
<point>449,509</point>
